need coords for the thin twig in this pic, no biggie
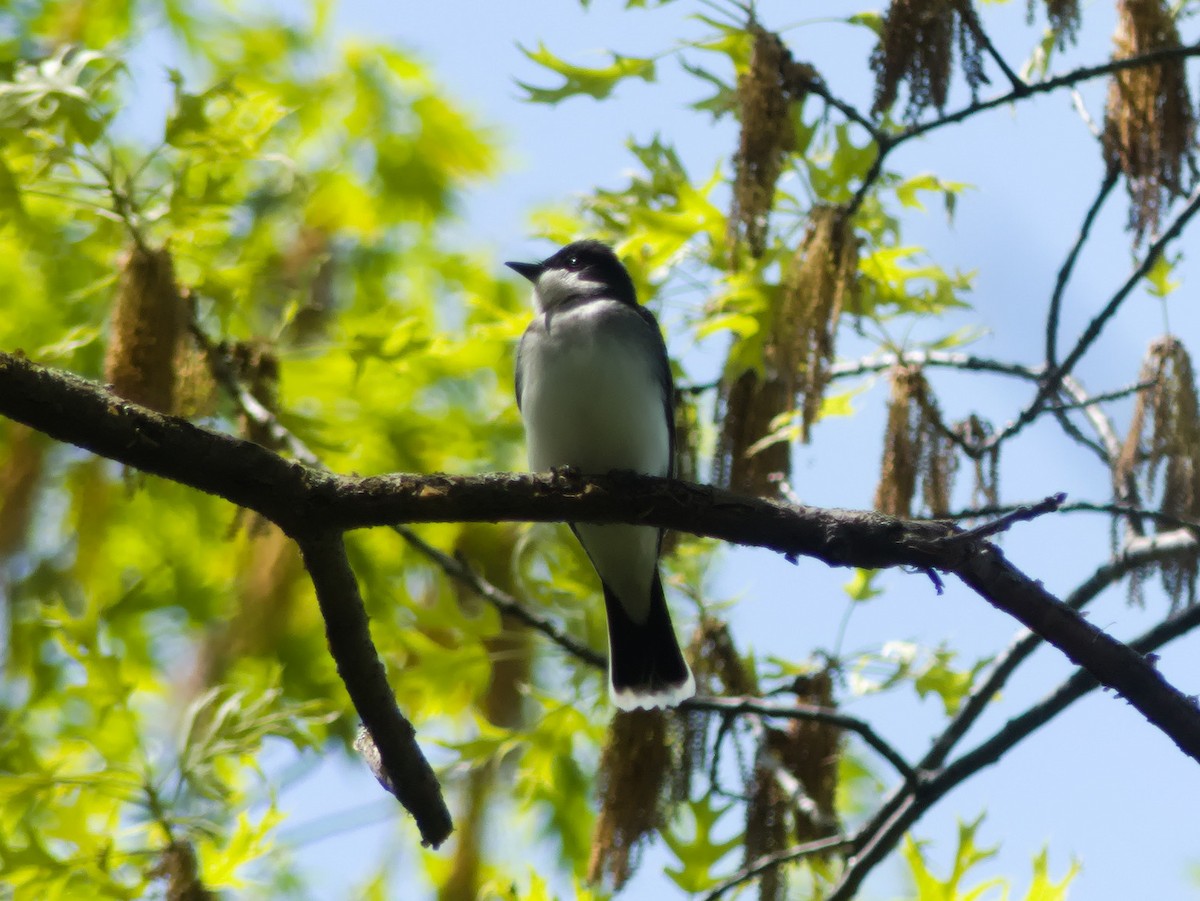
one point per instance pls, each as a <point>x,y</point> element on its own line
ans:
<point>1068,266</point>
<point>779,858</point>
<point>1022,513</point>
<point>940,358</point>
<point>879,836</point>
<point>1053,378</point>
<point>1067,79</point>
<point>1117,394</point>
<point>1115,509</point>
<point>1018,85</point>
<point>797,711</point>
<point>502,600</point>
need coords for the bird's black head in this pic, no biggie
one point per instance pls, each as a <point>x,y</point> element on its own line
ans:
<point>581,269</point>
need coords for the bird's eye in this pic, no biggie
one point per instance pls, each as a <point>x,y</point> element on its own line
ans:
<point>572,262</point>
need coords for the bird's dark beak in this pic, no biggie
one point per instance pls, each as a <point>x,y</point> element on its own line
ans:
<point>531,271</point>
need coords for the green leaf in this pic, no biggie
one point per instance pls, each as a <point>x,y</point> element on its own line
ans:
<point>1158,279</point>
<point>699,852</point>
<point>11,208</point>
<point>1043,888</point>
<point>908,191</point>
<point>967,855</point>
<point>869,19</point>
<point>597,83</point>
<point>940,678</point>
<point>733,42</point>
<point>62,91</point>
<point>862,586</point>
<point>722,102</point>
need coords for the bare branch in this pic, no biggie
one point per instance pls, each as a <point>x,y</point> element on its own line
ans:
<point>779,858</point>
<point>346,627</point>
<point>502,600</point>
<point>293,496</point>
<point>1067,79</point>
<point>1068,266</point>
<point>879,836</point>
<point>1023,513</point>
<point>797,711</point>
<point>1053,378</point>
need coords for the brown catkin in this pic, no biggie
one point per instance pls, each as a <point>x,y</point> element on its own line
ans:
<point>1063,16</point>
<point>147,329</point>
<point>765,139</point>
<point>916,449</point>
<point>917,47</point>
<point>1162,451</point>
<point>634,773</point>
<point>820,281</point>
<point>1149,125</point>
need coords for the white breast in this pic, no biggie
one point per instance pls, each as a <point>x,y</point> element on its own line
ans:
<point>591,398</point>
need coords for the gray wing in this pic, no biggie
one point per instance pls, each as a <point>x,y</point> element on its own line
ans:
<point>520,367</point>
<point>662,368</point>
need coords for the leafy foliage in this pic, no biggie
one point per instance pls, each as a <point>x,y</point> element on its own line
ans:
<point>288,218</point>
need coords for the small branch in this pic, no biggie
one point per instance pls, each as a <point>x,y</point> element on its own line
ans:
<point>1053,378</point>
<point>502,600</point>
<point>1118,394</point>
<point>222,368</point>
<point>1068,266</point>
<point>1020,90</point>
<point>817,86</point>
<point>346,627</point>
<point>1022,513</point>
<point>1075,76</point>
<point>940,358</point>
<point>883,146</point>
<point>779,858</point>
<point>880,835</point>
<point>1166,519</point>
<point>1081,108</point>
<point>735,706</point>
<point>1018,85</point>
<point>972,363</point>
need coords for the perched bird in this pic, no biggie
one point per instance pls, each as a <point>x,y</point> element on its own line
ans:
<point>594,388</point>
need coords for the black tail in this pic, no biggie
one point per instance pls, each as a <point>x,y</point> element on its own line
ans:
<point>645,665</point>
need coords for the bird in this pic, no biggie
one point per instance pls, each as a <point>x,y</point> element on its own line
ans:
<point>594,389</point>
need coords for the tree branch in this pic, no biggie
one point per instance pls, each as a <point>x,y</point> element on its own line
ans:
<point>1068,266</point>
<point>879,837</point>
<point>502,600</point>
<point>771,861</point>
<point>293,496</point>
<point>412,779</point>
<point>1053,377</point>
<point>1075,76</point>
<point>734,706</point>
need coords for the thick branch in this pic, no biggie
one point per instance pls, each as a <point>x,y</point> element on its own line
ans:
<point>1143,686</point>
<point>411,778</point>
<point>879,837</point>
<point>293,496</point>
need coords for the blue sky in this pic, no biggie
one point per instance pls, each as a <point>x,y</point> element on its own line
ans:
<point>1098,784</point>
